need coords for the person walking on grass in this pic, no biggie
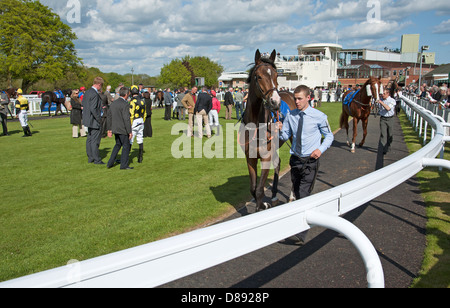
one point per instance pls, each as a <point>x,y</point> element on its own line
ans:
<point>120,125</point>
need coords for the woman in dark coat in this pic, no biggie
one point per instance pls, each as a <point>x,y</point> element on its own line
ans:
<point>76,114</point>
<point>148,130</point>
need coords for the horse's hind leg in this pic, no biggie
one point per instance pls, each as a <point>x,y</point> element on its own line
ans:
<point>365,122</point>
<point>355,134</point>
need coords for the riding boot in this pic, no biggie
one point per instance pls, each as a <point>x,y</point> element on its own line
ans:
<point>29,131</point>
<point>141,153</point>
<point>25,132</point>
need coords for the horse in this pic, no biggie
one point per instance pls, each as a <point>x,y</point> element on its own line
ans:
<point>159,99</point>
<point>256,133</point>
<point>358,104</point>
<point>49,98</point>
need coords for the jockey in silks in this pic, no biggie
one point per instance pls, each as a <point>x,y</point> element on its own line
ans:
<point>22,108</point>
<point>138,116</point>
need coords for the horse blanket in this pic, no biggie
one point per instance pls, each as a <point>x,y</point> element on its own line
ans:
<point>349,99</point>
<point>284,110</point>
<point>59,94</point>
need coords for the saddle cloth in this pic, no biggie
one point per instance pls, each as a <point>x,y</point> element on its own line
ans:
<point>349,98</point>
<point>59,94</point>
<point>284,110</point>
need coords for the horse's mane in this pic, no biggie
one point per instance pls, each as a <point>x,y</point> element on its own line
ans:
<point>252,70</point>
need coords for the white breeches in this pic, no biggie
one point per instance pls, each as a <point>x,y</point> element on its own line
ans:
<point>138,131</point>
<point>23,118</point>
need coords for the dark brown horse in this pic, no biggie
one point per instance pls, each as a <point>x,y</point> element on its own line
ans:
<point>49,98</point>
<point>359,108</point>
<point>257,135</point>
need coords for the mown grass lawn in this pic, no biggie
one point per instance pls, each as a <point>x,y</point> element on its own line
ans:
<point>56,207</point>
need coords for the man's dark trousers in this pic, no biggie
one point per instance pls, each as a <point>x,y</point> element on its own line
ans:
<point>122,141</point>
<point>94,137</point>
<point>303,175</point>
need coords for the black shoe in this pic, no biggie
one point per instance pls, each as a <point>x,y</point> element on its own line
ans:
<point>100,163</point>
<point>127,168</point>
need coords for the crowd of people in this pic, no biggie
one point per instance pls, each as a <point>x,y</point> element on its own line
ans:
<point>127,115</point>
<point>434,94</point>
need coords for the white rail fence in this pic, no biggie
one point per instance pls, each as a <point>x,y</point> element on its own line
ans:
<point>160,262</point>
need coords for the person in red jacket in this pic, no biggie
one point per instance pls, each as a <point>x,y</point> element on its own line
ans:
<point>214,113</point>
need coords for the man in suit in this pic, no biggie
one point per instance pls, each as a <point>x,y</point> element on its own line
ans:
<point>229,102</point>
<point>201,110</point>
<point>92,119</point>
<point>119,123</point>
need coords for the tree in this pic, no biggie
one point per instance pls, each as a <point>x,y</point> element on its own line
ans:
<point>179,71</point>
<point>34,43</point>
<point>175,74</point>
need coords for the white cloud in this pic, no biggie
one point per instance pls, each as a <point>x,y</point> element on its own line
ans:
<point>443,27</point>
<point>146,34</point>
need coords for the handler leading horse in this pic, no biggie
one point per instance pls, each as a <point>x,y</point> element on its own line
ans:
<point>256,135</point>
<point>358,104</point>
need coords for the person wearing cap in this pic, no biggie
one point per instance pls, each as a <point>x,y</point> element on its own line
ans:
<point>214,113</point>
<point>81,93</point>
<point>138,114</point>
<point>22,108</point>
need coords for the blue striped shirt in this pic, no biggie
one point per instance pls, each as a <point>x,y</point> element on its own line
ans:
<point>315,124</point>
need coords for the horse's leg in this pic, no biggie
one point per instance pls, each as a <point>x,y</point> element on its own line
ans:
<point>252,165</point>
<point>365,122</point>
<point>260,205</point>
<point>58,108</point>
<point>344,123</point>
<point>355,133</point>
<point>276,177</point>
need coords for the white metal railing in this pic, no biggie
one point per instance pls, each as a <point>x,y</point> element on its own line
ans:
<point>34,102</point>
<point>163,261</point>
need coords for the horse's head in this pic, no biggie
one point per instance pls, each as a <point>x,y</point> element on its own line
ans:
<point>264,76</point>
<point>12,93</point>
<point>374,87</point>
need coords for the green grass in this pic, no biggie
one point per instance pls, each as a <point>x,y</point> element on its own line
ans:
<point>435,187</point>
<point>56,207</point>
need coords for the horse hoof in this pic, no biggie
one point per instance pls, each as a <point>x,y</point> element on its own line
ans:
<point>353,151</point>
<point>266,206</point>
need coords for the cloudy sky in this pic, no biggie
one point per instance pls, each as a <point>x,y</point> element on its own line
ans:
<point>116,35</point>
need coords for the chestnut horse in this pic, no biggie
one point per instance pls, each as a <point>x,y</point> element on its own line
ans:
<point>359,108</point>
<point>257,135</point>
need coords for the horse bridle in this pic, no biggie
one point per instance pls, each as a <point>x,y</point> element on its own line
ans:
<point>264,94</point>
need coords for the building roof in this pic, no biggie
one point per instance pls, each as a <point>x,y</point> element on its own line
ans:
<point>441,70</point>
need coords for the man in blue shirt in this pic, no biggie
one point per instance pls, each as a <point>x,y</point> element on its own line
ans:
<point>306,126</point>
